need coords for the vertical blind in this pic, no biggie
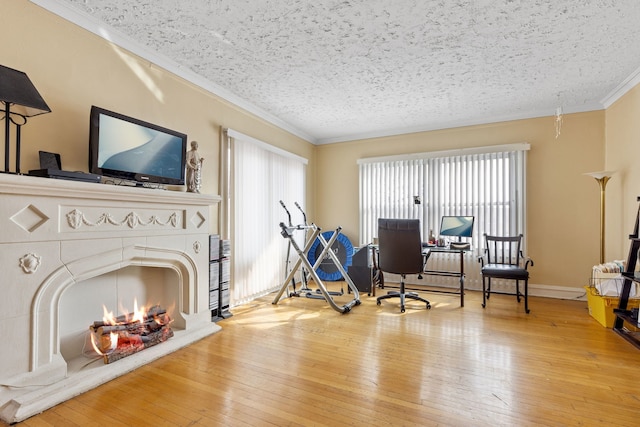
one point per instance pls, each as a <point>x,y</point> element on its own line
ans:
<point>260,176</point>
<point>487,183</point>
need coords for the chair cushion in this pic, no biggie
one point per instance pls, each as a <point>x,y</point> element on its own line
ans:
<point>505,271</point>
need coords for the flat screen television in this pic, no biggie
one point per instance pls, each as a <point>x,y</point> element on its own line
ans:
<point>130,149</point>
<point>457,226</point>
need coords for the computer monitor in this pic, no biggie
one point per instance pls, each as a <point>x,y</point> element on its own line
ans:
<point>457,226</point>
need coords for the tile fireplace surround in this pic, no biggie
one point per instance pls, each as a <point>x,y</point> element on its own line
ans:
<point>67,248</point>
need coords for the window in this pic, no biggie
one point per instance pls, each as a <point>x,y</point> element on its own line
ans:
<point>487,183</point>
<point>259,176</point>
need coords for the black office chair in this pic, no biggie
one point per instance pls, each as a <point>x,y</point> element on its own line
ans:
<point>503,259</point>
<point>400,252</point>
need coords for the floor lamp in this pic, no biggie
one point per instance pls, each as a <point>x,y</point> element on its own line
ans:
<point>602,178</point>
<point>21,100</point>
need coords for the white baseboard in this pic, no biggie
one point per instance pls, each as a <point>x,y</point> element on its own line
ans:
<point>535,289</point>
<point>559,292</point>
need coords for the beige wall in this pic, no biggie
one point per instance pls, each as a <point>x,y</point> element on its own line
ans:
<point>622,191</point>
<point>562,203</point>
<point>74,69</point>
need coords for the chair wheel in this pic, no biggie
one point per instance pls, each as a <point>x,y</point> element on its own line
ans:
<point>484,305</point>
<point>378,302</point>
<point>402,310</point>
<point>428,306</point>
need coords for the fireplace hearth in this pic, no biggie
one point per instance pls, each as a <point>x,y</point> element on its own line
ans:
<point>74,244</point>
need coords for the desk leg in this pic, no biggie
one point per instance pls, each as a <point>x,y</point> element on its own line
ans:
<point>461,278</point>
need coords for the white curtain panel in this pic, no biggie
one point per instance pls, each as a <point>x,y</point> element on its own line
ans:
<point>261,176</point>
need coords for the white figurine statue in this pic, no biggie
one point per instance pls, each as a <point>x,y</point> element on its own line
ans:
<point>194,169</point>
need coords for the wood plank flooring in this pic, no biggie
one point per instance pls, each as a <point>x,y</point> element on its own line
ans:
<point>300,363</point>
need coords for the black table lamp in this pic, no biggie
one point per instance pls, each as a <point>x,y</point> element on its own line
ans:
<point>21,100</point>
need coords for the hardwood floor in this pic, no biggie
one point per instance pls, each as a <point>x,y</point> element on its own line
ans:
<point>301,363</point>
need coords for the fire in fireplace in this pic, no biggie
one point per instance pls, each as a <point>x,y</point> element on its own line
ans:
<point>114,338</point>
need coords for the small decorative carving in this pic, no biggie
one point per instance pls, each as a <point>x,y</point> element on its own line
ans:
<point>196,247</point>
<point>76,219</point>
<point>30,263</point>
<point>194,169</point>
<point>132,220</point>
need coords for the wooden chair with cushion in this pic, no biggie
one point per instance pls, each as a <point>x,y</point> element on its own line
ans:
<point>503,259</point>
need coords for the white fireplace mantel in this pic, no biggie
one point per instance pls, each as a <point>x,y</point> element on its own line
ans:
<point>56,234</point>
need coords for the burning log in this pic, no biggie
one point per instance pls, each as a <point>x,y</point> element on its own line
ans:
<point>124,336</point>
<point>135,327</point>
<point>154,312</point>
<point>128,349</point>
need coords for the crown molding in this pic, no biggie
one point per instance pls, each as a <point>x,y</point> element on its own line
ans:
<point>458,124</point>
<point>111,35</point>
<point>620,90</point>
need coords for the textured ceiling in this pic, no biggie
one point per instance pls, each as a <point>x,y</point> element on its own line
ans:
<point>335,70</point>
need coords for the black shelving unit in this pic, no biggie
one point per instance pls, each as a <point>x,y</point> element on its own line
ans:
<point>219,277</point>
<point>225,280</point>
<point>626,324</point>
<point>214,277</point>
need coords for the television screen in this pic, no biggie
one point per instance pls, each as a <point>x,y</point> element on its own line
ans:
<point>127,148</point>
<point>457,226</point>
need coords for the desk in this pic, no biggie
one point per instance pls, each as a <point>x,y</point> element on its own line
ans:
<point>426,253</point>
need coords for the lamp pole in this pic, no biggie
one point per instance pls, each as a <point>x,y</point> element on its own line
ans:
<point>602,178</point>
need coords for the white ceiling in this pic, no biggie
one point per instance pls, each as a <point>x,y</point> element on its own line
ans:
<point>336,70</point>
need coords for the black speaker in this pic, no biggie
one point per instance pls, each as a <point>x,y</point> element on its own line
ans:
<point>361,277</point>
<point>360,271</point>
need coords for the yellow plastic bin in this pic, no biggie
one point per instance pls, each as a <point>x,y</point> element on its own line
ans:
<point>601,308</point>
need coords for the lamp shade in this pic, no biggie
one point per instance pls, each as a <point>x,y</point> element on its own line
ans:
<point>600,174</point>
<point>17,90</point>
